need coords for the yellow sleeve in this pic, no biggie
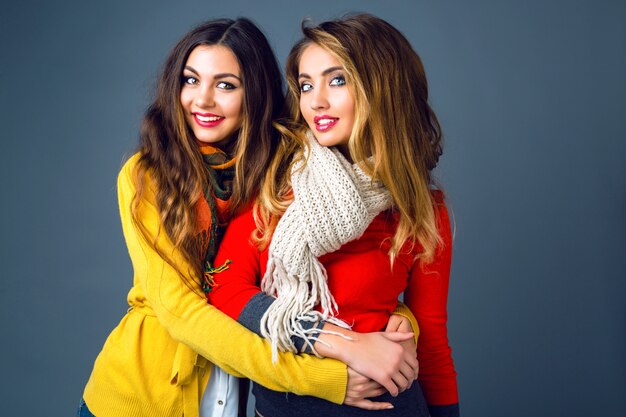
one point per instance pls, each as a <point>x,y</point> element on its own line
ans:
<point>192,321</point>
<point>404,311</point>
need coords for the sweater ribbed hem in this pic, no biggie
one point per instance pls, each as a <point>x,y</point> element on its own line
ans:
<point>330,384</point>
<point>105,401</point>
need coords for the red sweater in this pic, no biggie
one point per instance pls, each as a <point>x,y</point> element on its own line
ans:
<point>365,288</point>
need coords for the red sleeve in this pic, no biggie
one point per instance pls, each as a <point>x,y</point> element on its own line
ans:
<point>236,285</point>
<point>427,296</point>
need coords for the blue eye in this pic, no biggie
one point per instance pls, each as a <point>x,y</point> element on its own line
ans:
<point>305,87</point>
<point>338,80</point>
<point>226,85</point>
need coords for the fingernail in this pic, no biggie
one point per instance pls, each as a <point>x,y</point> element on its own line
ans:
<point>389,407</point>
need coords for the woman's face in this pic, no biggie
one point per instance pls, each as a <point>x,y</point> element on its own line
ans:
<point>212,94</point>
<point>326,101</point>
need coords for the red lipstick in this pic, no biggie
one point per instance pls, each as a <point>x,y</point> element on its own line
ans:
<point>207,119</point>
<point>324,122</point>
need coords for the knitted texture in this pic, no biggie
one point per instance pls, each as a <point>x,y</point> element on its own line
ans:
<point>334,202</point>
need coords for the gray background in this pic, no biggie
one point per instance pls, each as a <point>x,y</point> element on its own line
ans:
<point>532,98</point>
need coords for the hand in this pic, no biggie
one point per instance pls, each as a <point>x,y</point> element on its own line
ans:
<point>360,388</point>
<point>375,355</point>
<point>398,323</point>
<point>381,357</point>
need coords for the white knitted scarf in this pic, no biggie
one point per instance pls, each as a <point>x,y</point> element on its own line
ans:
<point>334,202</point>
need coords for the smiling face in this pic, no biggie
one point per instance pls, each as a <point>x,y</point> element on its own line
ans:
<point>326,102</point>
<point>212,94</point>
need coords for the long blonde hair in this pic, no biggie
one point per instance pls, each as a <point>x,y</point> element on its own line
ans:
<point>394,124</point>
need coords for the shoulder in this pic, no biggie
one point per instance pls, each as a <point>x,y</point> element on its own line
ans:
<point>127,180</point>
<point>128,169</point>
<point>128,183</point>
<point>438,197</point>
<point>441,209</point>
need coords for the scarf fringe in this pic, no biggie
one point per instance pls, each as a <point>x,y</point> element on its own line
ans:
<point>334,203</point>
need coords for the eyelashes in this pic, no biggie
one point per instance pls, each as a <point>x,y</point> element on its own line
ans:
<point>189,80</point>
<point>226,85</point>
<point>192,80</point>
<point>339,80</point>
<point>335,81</point>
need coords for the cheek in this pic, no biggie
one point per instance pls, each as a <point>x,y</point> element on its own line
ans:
<point>185,99</point>
<point>234,105</point>
<point>347,105</point>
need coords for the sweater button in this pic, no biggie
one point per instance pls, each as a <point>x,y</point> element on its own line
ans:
<point>220,402</point>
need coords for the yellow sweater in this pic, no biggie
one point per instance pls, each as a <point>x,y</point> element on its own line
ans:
<point>149,365</point>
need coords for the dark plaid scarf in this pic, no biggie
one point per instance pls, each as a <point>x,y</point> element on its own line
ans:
<point>220,171</point>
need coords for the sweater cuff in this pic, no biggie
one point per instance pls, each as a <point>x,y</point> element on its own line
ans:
<point>253,311</point>
<point>330,377</point>
<point>312,330</point>
<point>451,410</point>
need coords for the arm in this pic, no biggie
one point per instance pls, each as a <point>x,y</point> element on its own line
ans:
<point>187,317</point>
<point>237,293</point>
<point>427,296</point>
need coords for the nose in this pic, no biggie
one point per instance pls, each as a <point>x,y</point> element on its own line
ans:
<point>319,99</point>
<point>205,97</point>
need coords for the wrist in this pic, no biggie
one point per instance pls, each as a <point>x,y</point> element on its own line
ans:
<point>336,346</point>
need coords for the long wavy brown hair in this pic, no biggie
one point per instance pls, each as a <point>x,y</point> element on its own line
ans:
<point>394,124</point>
<point>168,148</point>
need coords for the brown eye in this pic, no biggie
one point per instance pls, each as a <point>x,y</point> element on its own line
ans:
<point>226,85</point>
<point>189,80</point>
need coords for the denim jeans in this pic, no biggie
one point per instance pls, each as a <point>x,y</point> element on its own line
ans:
<point>268,403</point>
<point>83,411</point>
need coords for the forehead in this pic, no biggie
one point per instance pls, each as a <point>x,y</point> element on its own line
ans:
<point>315,59</point>
<point>215,59</point>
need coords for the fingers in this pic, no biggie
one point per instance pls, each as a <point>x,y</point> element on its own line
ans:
<point>405,378</point>
<point>371,389</point>
<point>409,368</point>
<point>361,387</point>
<point>395,323</point>
<point>398,323</point>
<point>405,371</point>
<point>405,325</point>
<point>366,392</point>
<point>369,405</point>
<point>398,336</point>
<point>389,385</point>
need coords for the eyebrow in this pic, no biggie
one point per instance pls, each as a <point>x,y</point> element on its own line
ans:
<point>217,76</point>
<point>325,72</point>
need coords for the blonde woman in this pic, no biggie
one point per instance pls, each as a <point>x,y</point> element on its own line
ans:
<point>348,218</point>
